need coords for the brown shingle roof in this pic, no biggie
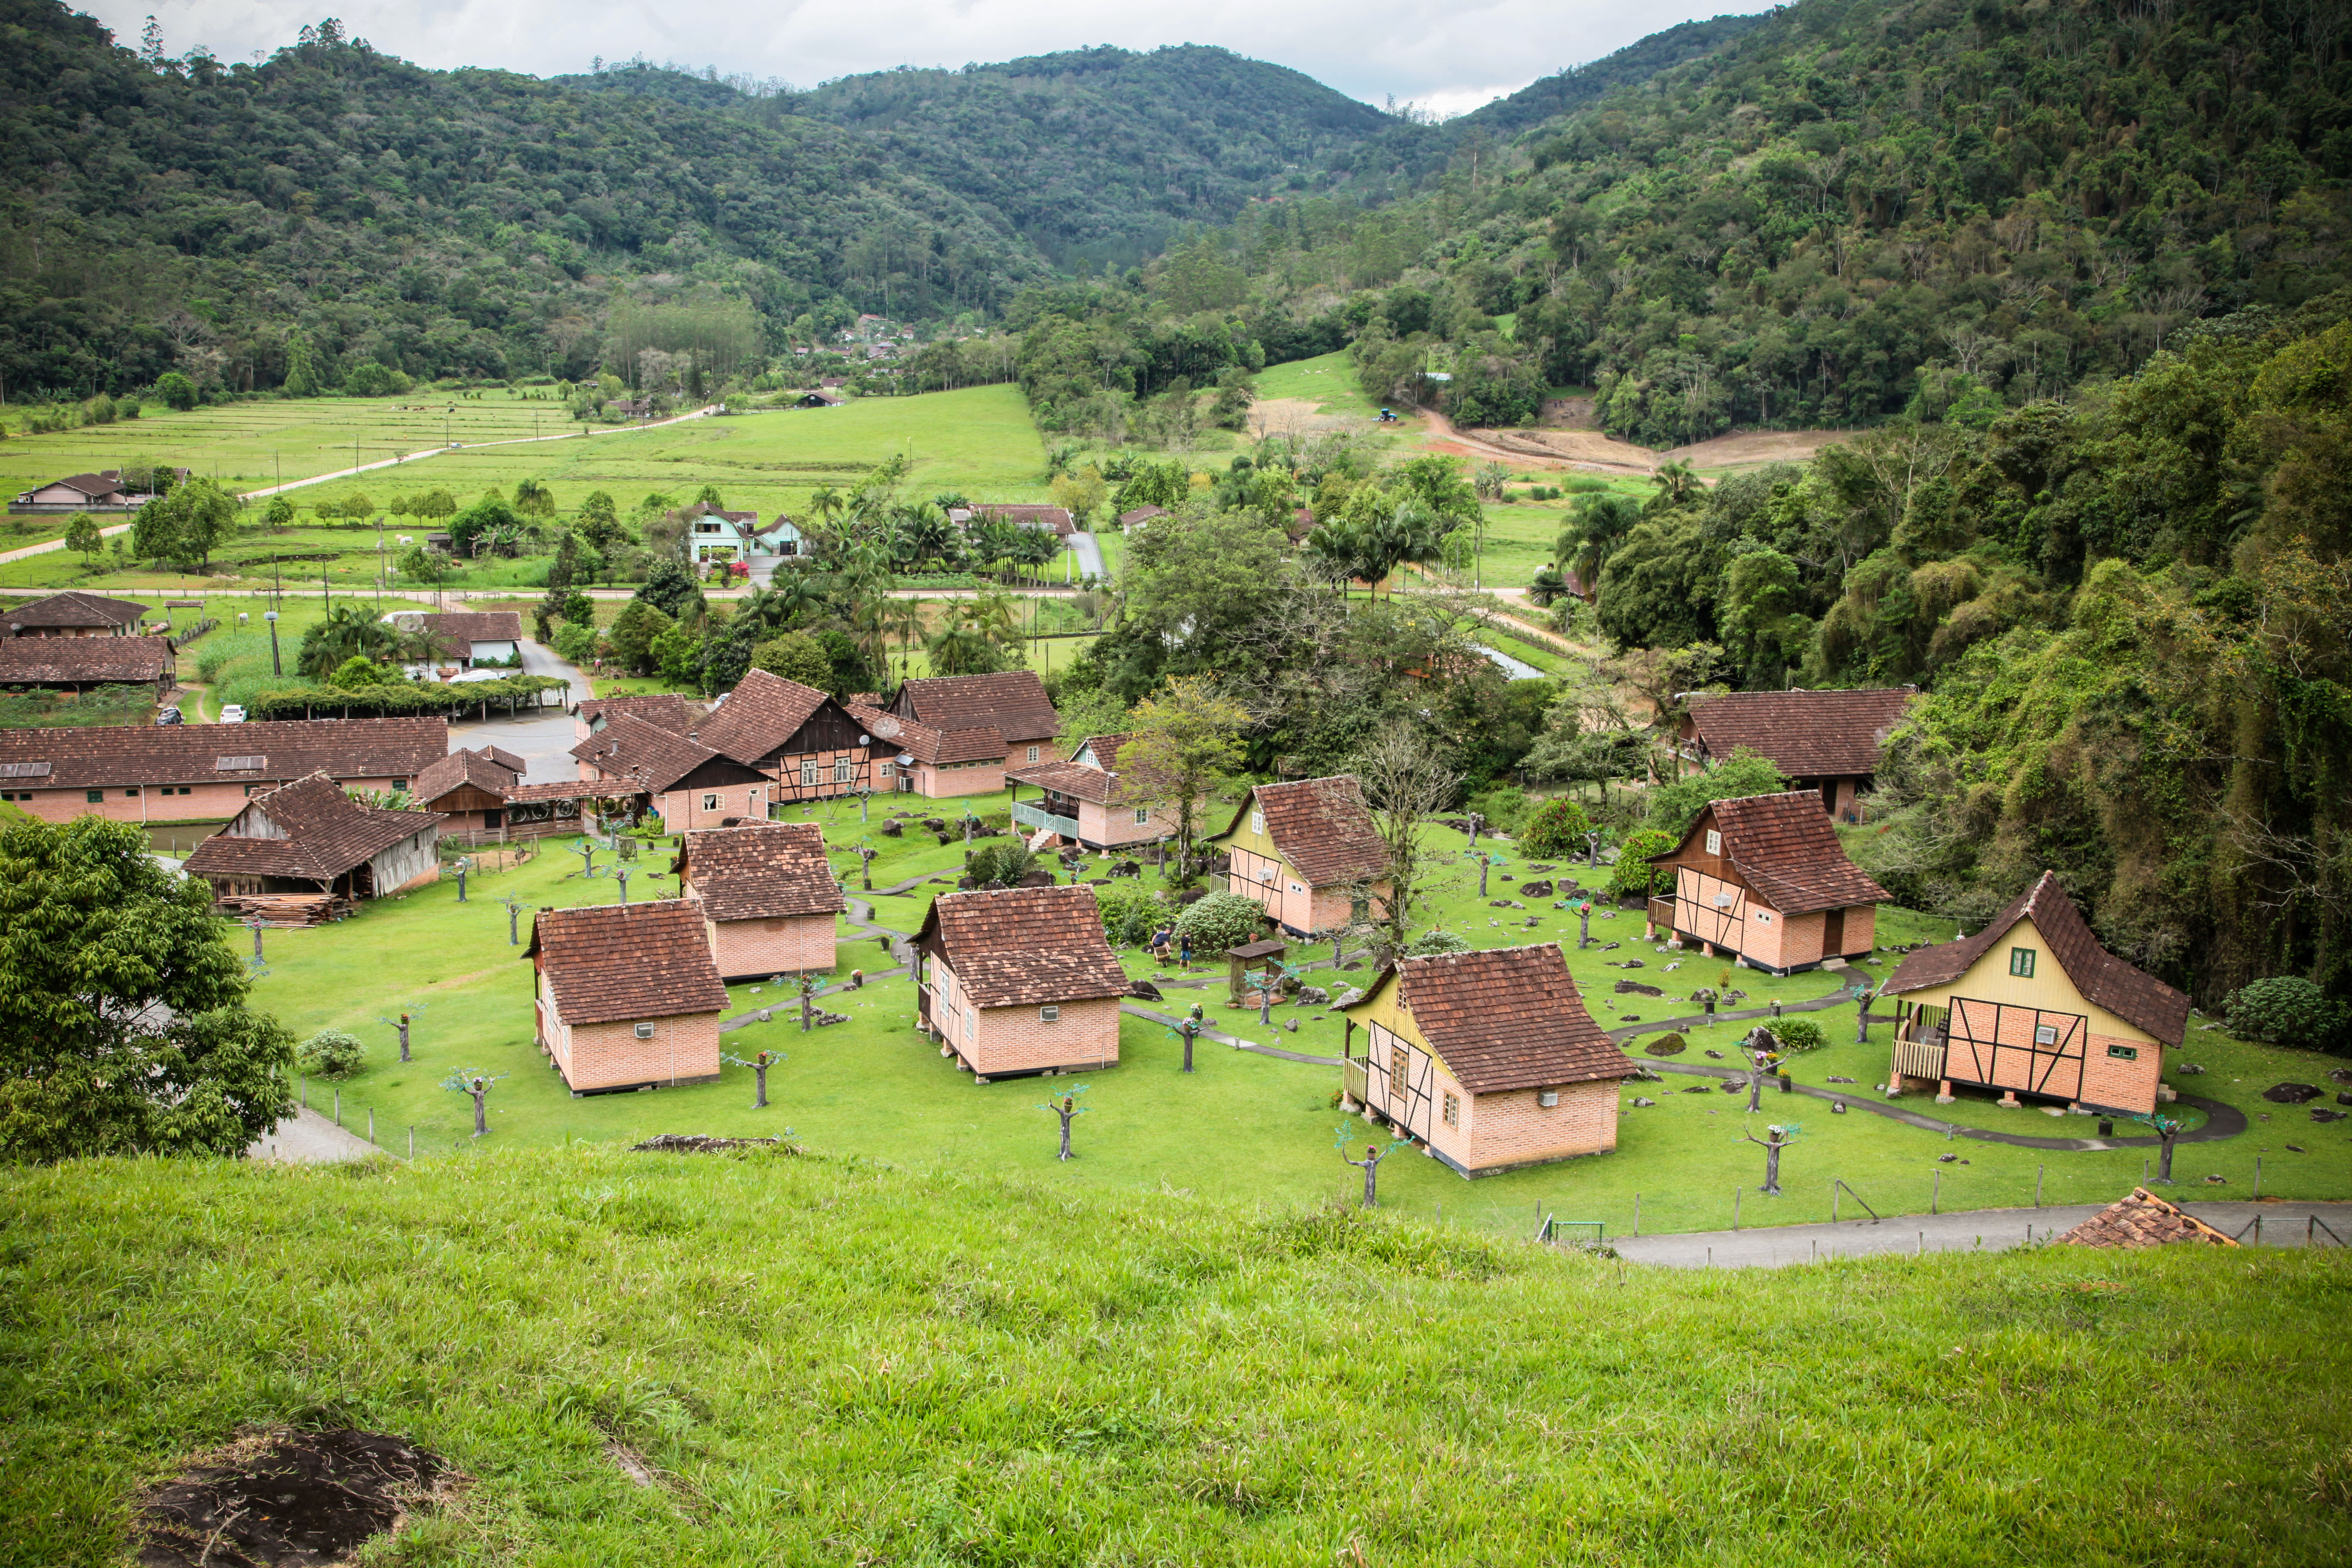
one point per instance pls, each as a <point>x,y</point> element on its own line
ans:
<point>288,749</point>
<point>1140,514</point>
<point>94,487</point>
<point>609,963</point>
<point>1508,1018</point>
<point>667,709</point>
<point>578,789</point>
<point>1806,734</point>
<point>2128,992</point>
<point>760,715</point>
<point>1101,783</point>
<point>2143,1219</point>
<point>652,757</point>
<point>459,627</point>
<point>41,661</point>
<point>469,767</point>
<point>1322,826</point>
<point>74,608</point>
<point>760,871</point>
<point>1014,947</point>
<point>1785,850</point>
<point>1029,516</point>
<point>1014,703</point>
<point>925,744</point>
<point>326,834</point>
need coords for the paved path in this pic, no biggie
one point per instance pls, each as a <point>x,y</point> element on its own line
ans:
<point>1089,550</point>
<point>20,552</point>
<point>543,741</point>
<point>1516,669</point>
<point>1987,1230</point>
<point>309,1138</point>
<point>407,457</point>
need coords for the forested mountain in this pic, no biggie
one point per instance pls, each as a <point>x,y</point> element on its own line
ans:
<point>1844,211</point>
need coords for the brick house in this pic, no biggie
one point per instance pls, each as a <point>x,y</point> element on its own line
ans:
<point>1827,742</point>
<point>1487,1060</point>
<point>1765,878</point>
<point>1019,980</point>
<point>73,613</point>
<point>768,894</point>
<point>1088,802</point>
<point>684,781</point>
<point>916,759</point>
<point>198,774</point>
<point>81,663</point>
<point>793,735</point>
<point>665,709</point>
<point>956,734</point>
<point>1309,851</point>
<point>311,838</point>
<point>2033,1005</point>
<point>627,996</point>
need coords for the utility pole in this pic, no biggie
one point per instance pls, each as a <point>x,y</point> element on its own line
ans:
<point>276,667</point>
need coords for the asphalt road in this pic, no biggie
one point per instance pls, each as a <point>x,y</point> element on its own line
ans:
<point>542,741</point>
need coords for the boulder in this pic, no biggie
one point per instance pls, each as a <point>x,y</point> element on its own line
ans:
<point>1144,991</point>
<point>1666,1046</point>
<point>936,823</point>
<point>1635,988</point>
<point>1630,963</point>
<point>2318,1115</point>
<point>1315,995</point>
<point>1537,890</point>
<point>1643,1100</point>
<point>893,829</point>
<point>1353,993</point>
<point>2292,1093</point>
<point>1837,1107</point>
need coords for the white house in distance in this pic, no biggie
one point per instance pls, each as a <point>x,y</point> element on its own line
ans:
<point>465,639</point>
<point>717,535</point>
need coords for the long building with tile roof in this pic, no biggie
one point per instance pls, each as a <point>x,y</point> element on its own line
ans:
<point>205,772</point>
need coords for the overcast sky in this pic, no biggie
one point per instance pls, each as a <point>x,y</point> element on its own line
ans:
<point>1450,54</point>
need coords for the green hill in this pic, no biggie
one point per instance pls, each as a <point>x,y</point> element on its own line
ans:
<point>824,1361</point>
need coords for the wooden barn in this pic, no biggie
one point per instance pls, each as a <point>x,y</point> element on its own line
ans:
<point>2033,1006</point>
<point>768,894</point>
<point>626,996</point>
<point>1019,980</point>
<point>1764,878</point>
<point>311,837</point>
<point>84,663</point>
<point>1487,1060</point>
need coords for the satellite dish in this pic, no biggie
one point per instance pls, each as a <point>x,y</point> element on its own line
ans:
<point>865,740</point>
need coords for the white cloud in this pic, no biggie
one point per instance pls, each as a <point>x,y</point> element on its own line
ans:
<point>1434,52</point>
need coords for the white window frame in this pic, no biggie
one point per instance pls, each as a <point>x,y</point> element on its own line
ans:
<point>808,773</point>
<point>1453,1110</point>
<point>842,768</point>
<point>1033,754</point>
<point>1257,822</point>
<point>885,770</point>
<point>710,802</point>
<point>1714,842</point>
<point>1142,815</point>
<point>1049,1015</point>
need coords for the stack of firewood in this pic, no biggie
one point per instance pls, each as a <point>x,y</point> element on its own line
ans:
<point>287,910</point>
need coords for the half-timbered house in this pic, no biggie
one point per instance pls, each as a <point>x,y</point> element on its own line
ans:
<point>1763,878</point>
<point>1487,1060</point>
<point>2033,1006</point>
<point>1309,851</point>
<point>1826,742</point>
<point>793,735</point>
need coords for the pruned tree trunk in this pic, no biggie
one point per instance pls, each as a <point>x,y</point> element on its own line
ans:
<point>1372,1165</point>
<point>2164,1158</point>
<point>1188,1031</point>
<point>1771,1169</point>
<point>1584,929</point>
<point>403,1036</point>
<point>1482,868</point>
<point>760,1086</point>
<point>1067,1111</point>
<point>481,1111</point>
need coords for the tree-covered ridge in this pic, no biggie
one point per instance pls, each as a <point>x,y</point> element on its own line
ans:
<point>1848,211</point>
<point>197,214</point>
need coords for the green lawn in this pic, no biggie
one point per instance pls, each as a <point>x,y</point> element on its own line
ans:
<point>871,1087</point>
<point>1327,380</point>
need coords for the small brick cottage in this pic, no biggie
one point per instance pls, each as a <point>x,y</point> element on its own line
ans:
<point>627,996</point>
<point>1487,1060</point>
<point>767,893</point>
<point>1764,876</point>
<point>1307,851</point>
<point>1019,980</point>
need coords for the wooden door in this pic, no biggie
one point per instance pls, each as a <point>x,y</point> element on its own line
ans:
<point>1833,934</point>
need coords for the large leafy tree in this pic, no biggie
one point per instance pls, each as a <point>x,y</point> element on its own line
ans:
<point>184,524</point>
<point>1187,741</point>
<point>123,1023</point>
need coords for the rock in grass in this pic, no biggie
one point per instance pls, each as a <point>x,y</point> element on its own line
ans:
<point>1643,1100</point>
<point>2292,1093</point>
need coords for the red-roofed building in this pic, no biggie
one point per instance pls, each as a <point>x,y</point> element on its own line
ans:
<point>628,996</point>
<point>948,735</point>
<point>72,614</point>
<point>690,785</point>
<point>1828,742</point>
<point>1088,802</point>
<point>1019,980</point>
<point>794,735</point>
<point>311,837</point>
<point>205,772</point>
<point>1309,851</point>
<point>2033,1005</point>
<point>1488,1060</point>
<point>768,894</point>
<point>1765,878</point>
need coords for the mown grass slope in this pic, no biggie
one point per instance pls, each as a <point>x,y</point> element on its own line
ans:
<point>830,1361</point>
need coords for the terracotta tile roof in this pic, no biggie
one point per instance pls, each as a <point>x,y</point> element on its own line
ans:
<point>764,712</point>
<point>578,789</point>
<point>266,750</point>
<point>1054,517</point>
<point>611,962</point>
<point>1014,947</point>
<point>1322,826</point>
<point>2130,994</point>
<point>1140,514</point>
<point>503,758</point>
<point>1506,1018</point>
<point>460,627</point>
<point>1014,703</point>
<point>42,661</point>
<point>1785,850</point>
<point>2143,1219</point>
<point>667,709</point>
<point>1807,735</point>
<point>469,767</point>
<point>760,871</point>
<point>74,608</point>
<point>925,744</point>
<point>1101,783</point>
<point>95,487</point>
<point>326,834</point>
<point>651,756</point>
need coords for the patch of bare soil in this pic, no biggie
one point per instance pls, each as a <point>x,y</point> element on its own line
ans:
<point>278,1498</point>
<point>1565,448</point>
<point>1299,416</point>
<point>1754,448</point>
<point>700,1143</point>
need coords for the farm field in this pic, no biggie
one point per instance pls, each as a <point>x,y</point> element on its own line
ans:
<point>811,1358</point>
<point>1245,1126</point>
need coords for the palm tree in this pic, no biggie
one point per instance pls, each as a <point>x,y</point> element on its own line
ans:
<point>1594,531</point>
<point>1412,532</point>
<point>1335,554</point>
<point>345,631</point>
<point>1677,482</point>
<point>904,618</point>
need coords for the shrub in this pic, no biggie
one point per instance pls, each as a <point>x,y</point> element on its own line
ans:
<point>576,644</point>
<point>2285,1010</point>
<point>176,390</point>
<point>795,655</point>
<point>1219,921</point>
<point>126,408</point>
<point>1505,809</point>
<point>1800,1034</point>
<point>1129,913</point>
<point>1000,864</point>
<point>1634,873</point>
<point>1430,944</point>
<point>332,1053</point>
<point>357,671</point>
<point>1556,831</point>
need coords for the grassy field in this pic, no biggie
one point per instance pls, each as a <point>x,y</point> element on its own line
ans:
<point>821,1359</point>
<point>873,1089</point>
<point>1327,381</point>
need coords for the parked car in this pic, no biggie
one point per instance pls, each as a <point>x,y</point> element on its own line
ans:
<point>169,716</point>
<point>233,714</point>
